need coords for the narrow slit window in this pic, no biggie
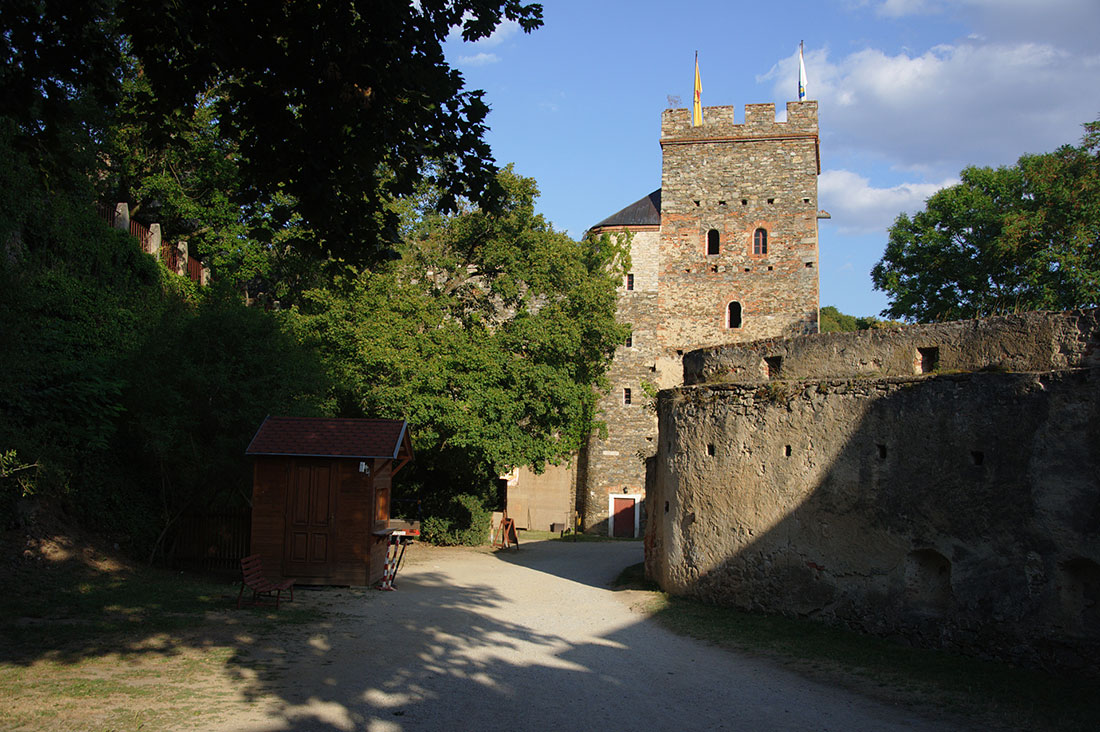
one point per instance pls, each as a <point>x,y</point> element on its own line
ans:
<point>712,241</point>
<point>630,281</point>
<point>733,315</point>
<point>760,241</point>
<point>626,396</point>
<point>630,341</point>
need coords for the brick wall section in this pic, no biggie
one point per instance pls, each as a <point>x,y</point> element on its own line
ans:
<point>736,178</point>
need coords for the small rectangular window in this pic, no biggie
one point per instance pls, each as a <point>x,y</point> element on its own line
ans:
<point>629,341</point>
<point>630,281</point>
<point>928,360</point>
<point>626,396</point>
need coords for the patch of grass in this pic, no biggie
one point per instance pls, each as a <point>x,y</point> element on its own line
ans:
<point>993,695</point>
<point>633,578</point>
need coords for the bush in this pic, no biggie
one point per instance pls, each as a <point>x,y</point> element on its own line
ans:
<point>464,520</point>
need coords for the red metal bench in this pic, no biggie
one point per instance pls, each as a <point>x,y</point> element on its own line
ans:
<point>252,570</point>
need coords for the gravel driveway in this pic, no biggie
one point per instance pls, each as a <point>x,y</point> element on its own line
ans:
<point>529,640</point>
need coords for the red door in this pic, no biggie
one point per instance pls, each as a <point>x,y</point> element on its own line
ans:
<point>310,511</point>
<point>624,517</point>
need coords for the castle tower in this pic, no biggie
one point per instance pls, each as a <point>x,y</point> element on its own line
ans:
<point>725,251</point>
<point>738,258</point>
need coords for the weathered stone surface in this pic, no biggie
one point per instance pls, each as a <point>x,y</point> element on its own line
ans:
<point>733,178</point>
<point>957,510</point>
<point>1021,342</point>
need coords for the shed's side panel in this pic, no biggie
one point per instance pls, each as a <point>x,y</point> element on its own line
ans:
<point>269,484</point>
<point>353,500</point>
<point>382,475</point>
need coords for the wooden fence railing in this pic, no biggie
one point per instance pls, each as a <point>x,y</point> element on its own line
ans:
<point>212,540</point>
<point>170,254</point>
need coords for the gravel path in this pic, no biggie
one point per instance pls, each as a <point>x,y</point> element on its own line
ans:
<point>530,640</point>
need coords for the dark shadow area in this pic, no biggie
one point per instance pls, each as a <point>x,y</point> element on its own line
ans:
<point>955,512</point>
<point>473,643</point>
<point>592,563</point>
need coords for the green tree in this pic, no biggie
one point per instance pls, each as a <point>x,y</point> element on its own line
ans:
<point>1025,237</point>
<point>834,321</point>
<point>489,335</point>
<point>335,108</point>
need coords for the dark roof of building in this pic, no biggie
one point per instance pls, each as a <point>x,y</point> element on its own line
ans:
<point>643,212</point>
<point>325,437</point>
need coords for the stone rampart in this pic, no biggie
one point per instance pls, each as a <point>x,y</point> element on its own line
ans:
<point>954,510</point>
<point>1035,341</point>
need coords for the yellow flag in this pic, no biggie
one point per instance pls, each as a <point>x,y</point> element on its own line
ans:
<point>697,110</point>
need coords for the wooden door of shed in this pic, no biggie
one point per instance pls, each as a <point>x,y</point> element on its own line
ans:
<point>309,550</point>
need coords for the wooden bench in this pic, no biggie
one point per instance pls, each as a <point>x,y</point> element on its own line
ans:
<point>252,569</point>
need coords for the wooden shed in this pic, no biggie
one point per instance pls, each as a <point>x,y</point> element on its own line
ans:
<point>321,496</point>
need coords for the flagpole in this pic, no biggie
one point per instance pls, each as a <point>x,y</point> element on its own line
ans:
<point>697,105</point>
<point>801,73</point>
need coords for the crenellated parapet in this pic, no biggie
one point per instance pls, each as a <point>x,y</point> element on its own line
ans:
<point>720,125</point>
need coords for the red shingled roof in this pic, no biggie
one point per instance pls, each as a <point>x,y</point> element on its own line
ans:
<point>324,437</point>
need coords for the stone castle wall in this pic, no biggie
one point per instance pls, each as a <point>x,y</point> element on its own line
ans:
<point>1023,342</point>
<point>958,510</point>
<point>612,464</point>
<point>734,179</point>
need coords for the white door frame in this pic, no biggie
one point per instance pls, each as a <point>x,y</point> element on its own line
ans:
<point>638,498</point>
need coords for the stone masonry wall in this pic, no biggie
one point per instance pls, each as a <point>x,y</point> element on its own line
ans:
<point>1021,342</point>
<point>956,510</point>
<point>735,179</point>
<point>613,464</point>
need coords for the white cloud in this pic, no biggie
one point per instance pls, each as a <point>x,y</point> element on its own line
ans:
<point>478,59</point>
<point>503,32</point>
<point>967,103</point>
<point>857,207</point>
<point>500,34</point>
<point>900,8</point>
<point>1067,23</point>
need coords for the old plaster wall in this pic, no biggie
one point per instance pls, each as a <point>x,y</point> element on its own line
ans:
<point>957,510</point>
<point>1037,341</point>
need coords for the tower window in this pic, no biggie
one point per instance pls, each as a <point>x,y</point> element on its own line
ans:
<point>733,315</point>
<point>630,281</point>
<point>760,241</point>
<point>712,241</point>
<point>626,396</point>
<point>629,341</point>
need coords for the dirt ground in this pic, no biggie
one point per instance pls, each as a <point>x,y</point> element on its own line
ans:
<point>471,640</point>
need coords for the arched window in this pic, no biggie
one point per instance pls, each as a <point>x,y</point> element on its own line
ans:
<point>733,315</point>
<point>712,241</point>
<point>760,241</point>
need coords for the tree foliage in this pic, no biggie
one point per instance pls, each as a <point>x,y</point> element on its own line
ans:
<point>1025,237</point>
<point>489,335</point>
<point>833,321</point>
<point>331,108</point>
<point>131,394</point>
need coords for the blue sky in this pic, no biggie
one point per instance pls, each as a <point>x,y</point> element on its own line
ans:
<point>909,93</point>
